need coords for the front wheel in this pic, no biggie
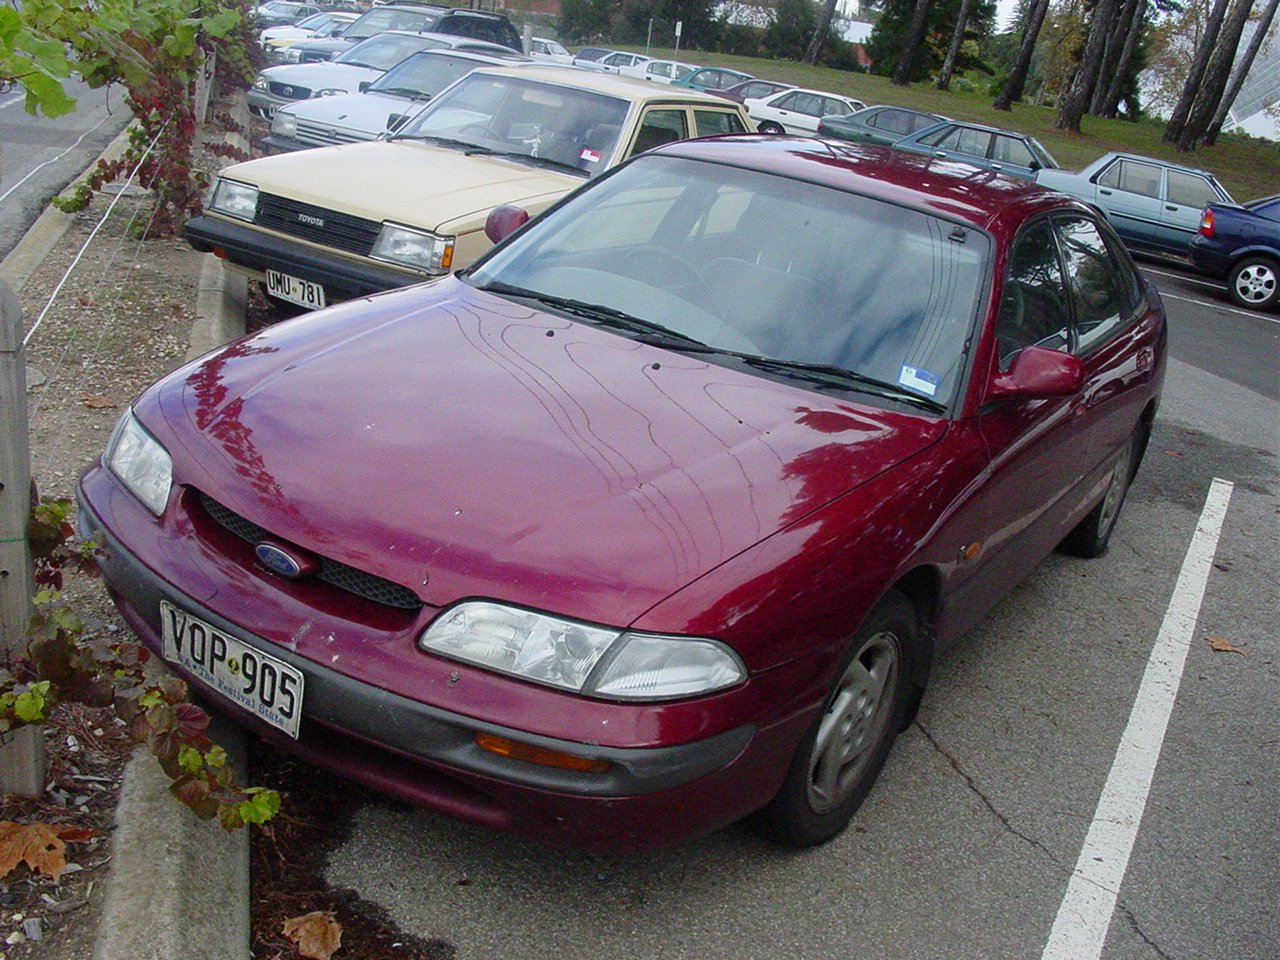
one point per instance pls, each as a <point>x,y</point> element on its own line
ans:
<point>1252,283</point>
<point>1092,535</point>
<point>837,761</point>
<point>770,127</point>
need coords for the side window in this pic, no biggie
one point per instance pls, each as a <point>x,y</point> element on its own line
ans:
<point>967,141</point>
<point>1095,278</point>
<point>831,108</point>
<point>1033,310</point>
<point>789,102</point>
<point>921,121</point>
<point>1132,177</point>
<point>1011,150</point>
<point>659,127</point>
<point>895,121</point>
<point>935,138</point>
<point>1190,190</point>
<point>710,123</point>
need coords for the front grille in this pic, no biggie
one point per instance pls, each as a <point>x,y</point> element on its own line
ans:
<point>319,134</point>
<point>288,91</point>
<point>339,575</point>
<point>317,224</point>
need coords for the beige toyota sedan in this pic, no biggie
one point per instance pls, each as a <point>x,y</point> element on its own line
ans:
<point>320,226</point>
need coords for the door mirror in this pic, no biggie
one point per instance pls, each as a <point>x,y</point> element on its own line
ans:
<point>504,221</point>
<point>1038,372</point>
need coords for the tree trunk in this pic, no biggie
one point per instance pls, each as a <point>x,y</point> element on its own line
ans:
<point>1018,78</point>
<point>1073,106</point>
<point>1178,119</point>
<point>819,40</point>
<point>1215,77</point>
<point>953,51</point>
<point>919,21</point>
<point>1118,34</point>
<point>1116,87</point>
<point>1242,70</point>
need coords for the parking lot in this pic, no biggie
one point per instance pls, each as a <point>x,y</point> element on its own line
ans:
<point>968,844</point>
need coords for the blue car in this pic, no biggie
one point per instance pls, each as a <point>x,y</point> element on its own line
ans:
<point>1241,246</point>
<point>990,148</point>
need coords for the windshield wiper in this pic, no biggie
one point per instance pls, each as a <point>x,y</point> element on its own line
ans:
<point>596,312</point>
<point>408,92</point>
<point>824,373</point>
<point>429,138</point>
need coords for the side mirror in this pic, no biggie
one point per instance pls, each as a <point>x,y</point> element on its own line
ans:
<point>504,221</point>
<point>1039,372</point>
<point>364,85</point>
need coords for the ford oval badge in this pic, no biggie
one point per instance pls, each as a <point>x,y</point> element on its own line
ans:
<point>279,560</point>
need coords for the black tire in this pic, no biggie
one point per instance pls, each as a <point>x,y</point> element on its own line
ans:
<point>838,759</point>
<point>1092,535</point>
<point>770,127</point>
<point>1254,283</point>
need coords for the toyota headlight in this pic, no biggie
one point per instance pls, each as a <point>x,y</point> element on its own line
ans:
<point>260,82</point>
<point>418,249</point>
<point>235,199</point>
<point>331,92</point>
<point>140,463</point>
<point>593,660</point>
<point>284,124</point>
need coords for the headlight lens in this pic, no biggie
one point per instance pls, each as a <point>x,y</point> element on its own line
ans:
<point>284,124</point>
<point>260,82</point>
<point>413,248</point>
<point>331,92</point>
<point>597,661</point>
<point>140,463</point>
<point>235,199</point>
<point>292,56</point>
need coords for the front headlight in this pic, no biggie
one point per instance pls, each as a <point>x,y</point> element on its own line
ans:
<point>413,248</point>
<point>593,660</point>
<point>233,198</point>
<point>331,92</point>
<point>140,463</point>
<point>292,56</point>
<point>284,124</point>
<point>260,83</point>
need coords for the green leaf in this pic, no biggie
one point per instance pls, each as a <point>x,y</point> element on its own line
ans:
<point>261,807</point>
<point>216,757</point>
<point>29,706</point>
<point>151,698</point>
<point>190,760</point>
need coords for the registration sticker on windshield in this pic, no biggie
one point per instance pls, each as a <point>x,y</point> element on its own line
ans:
<point>589,155</point>
<point>913,378</point>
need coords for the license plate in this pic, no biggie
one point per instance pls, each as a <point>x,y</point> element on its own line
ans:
<point>296,290</point>
<point>266,686</point>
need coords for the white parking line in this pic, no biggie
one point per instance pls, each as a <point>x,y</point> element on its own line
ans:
<point>1251,314</point>
<point>1080,929</point>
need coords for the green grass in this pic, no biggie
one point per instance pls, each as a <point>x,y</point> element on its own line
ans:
<point>1247,167</point>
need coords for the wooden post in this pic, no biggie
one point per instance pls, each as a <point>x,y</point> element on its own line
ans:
<point>21,752</point>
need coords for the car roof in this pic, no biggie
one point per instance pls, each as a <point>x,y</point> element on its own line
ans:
<point>503,55</point>
<point>1172,165</point>
<point>943,188</point>
<point>820,93</point>
<point>628,88</point>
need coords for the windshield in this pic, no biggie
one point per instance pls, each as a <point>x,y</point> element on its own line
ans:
<point>776,275</point>
<point>379,21</point>
<point>383,52</point>
<point>423,75</point>
<point>561,126</point>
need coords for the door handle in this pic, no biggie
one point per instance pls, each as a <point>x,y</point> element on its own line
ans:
<point>1105,193</point>
<point>1171,206</point>
<point>939,153</point>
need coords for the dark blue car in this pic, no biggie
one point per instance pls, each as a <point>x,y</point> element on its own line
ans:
<point>1240,245</point>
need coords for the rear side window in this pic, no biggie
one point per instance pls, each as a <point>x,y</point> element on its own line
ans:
<point>1011,150</point>
<point>659,127</point>
<point>1190,190</point>
<point>714,122</point>
<point>966,140</point>
<point>895,121</point>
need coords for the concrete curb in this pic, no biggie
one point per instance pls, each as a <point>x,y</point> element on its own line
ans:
<point>177,886</point>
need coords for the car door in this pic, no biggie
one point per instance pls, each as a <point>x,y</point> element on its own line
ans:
<point>1129,191</point>
<point>962,143</point>
<point>1186,194</point>
<point>1010,154</point>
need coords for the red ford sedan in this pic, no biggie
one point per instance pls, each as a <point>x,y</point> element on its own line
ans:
<point>657,517</point>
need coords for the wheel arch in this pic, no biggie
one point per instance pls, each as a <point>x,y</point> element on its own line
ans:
<point>922,587</point>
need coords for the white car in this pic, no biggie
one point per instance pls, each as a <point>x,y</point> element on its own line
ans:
<point>660,71</point>
<point>549,51</point>
<point>305,28</point>
<point>798,111</point>
<point>614,62</point>
<point>389,102</point>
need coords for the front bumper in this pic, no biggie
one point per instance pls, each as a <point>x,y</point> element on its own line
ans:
<point>257,251</point>
<point>427,755</point>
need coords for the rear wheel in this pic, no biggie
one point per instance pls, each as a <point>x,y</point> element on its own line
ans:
<point>1253,283</point>
<point>1092,535</point>
<point>770,127</point>
<point>839,758</point>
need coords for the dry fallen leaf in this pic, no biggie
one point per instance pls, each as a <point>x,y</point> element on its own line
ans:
<point>97,402</point>
<point>317,934</point>
<point>36,844</point>
<point>1223,645</point>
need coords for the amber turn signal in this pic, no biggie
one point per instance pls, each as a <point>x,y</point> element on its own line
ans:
<point>540,755</point>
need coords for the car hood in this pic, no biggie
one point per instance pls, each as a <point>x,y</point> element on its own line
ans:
<point>414,183</point>
<point>318,76</point>
<point>355,111</point>
<point>463,445</point>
